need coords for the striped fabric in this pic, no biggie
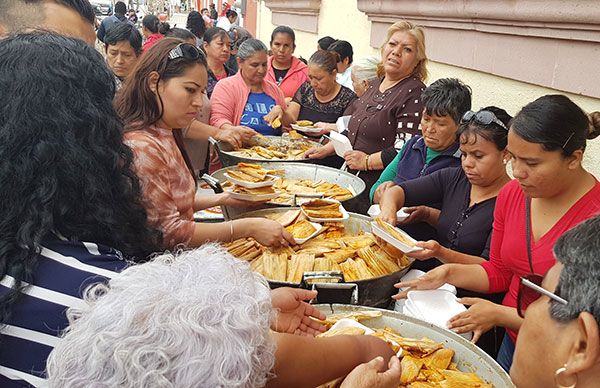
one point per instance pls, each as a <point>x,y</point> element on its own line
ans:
<point>64,270</point>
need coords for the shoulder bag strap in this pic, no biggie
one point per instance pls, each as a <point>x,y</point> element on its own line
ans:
<point>528,231</point>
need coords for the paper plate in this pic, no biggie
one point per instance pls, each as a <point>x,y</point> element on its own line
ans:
<point>341,143</point>
<point>254,197</point>
<point>252,185</point>
<point>344,217</point>
<point>318,228</point>
<point>377,231</point>
<point>375,210</point>
<point>305,129</point>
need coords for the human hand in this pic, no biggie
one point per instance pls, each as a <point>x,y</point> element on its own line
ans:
<point>416,214</point>
<point>355,160</point>
<point>324,127</point>
<point>378,195</point>
<point>430,281</point>
<point>319,152</point>
<point>275,113</point>
<point>294,313</point>
<point>269,233</point>
<point>231,136</point>
<point>479,318</point>
<point>431,248</point>
<point>370,375</point>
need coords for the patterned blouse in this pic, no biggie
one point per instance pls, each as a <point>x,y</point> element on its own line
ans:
<point>167,185</point>
<point>314,110</point>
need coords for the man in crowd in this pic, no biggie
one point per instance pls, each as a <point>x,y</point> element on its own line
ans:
<point>123,46</point>
<point>109,22</point>
<point>67,17</point>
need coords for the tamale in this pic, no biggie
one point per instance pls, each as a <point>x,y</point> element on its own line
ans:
<point>301,229</point>
<point>440,359</point>
<point>275,266</point>
<point>299,264</point>
<point>411,366</point>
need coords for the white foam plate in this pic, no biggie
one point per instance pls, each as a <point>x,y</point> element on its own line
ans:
<point>253,185</point>
<point>253,197</point>
<point>435,306</point>
<point>375,210</point>
<point>305,129</point>
<point>344,217</point>
<point>342,123</point>
<point>341,143</point>
<point>318,228</point>
<point>377,231</point>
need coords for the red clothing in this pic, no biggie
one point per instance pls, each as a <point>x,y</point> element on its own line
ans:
<point>295,77</point>
<point>152,39</point>
<point>508,252</point>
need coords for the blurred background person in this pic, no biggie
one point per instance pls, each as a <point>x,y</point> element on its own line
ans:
<point>208,22</point>
<point>217,47</point>
<point>559,340</point>
<point>363,71</point>
<point>325,42</point>
<point>344,70</point>
<point>74,18</point>
<point>132,16</point>
<point>226,21</point>
<point>284,69</point>
<point>107,23</point>
<point>123,47</point>
<point>195,23</point>
<point>237,36</point>
<point>151,31</point>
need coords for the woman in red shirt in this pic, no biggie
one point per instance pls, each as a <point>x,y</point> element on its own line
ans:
<point>552,192</point>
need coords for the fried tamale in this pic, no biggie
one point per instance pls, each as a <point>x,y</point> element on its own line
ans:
<point>301,229</point>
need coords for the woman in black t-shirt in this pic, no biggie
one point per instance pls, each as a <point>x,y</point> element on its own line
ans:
<point>321,99</point>
<point>467,194</point>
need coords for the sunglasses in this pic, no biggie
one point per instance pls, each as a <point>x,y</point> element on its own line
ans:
<point>530,289</point>
<point>483,117</point>
<point>185,50</point>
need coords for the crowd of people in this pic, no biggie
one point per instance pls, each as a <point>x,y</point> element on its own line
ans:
<point>106,279</point>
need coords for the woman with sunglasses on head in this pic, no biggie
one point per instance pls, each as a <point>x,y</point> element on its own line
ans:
<point>165,94</point>
<point>389,108</point>
<point>552,192</point>
<point>248,100</point>
<point>559,340</point>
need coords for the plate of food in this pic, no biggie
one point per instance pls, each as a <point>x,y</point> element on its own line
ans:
<point>303,230</point>
<point>394,236</point>
<point>251,176</point>
<point>260,194</point>
<point>305,126</point>
<point>375,210</point>
<point>324,210</point>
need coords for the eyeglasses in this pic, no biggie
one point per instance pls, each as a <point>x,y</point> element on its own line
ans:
<point>483,117</point>
<point>530,289</point>
<point>185,50</point>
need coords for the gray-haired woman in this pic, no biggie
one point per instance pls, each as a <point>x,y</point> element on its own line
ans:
<point>559,340</point>
<point>248,100</point>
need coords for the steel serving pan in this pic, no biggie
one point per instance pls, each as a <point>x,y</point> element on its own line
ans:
<point>375,292</point>
<point>468,356</point>
<point>295,170</point>
<point>229,157</point>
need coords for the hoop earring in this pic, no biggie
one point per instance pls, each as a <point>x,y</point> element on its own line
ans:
<point>559,377</point>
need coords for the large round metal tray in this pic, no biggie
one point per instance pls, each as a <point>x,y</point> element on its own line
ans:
<point>299,171</point>
<point>229,157</point>
<point>371,292</point>
<point>468,356</point>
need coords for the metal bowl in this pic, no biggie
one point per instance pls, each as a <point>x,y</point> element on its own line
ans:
<point>299,171</point>
<point>229,157</point>
<point>468,356</point>
<point>375,292</point>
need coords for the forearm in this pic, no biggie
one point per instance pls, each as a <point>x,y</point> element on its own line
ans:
<point>308,362</point>
<point>509,318</point>
<point>200,131</point>
<point>202,202</point>
<point>448,256</point>
<point>290,115</point>
<point>374,162</point>
<point>222,231</point>
<point>393,199</point>
<point>433,216</point>
<point>468,276</point>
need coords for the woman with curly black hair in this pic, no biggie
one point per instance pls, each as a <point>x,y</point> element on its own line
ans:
<point>69,196</point>
<point>195,23</point>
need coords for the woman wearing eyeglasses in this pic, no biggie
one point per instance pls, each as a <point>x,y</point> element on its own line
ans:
<point>248,100</point>
<point>390,107</point>
<point>559,339</point>
<point>165,94</point>
<point>552,192</point>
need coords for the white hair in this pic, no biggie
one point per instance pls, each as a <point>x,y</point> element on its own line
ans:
<point>200,318</point>
<point>365,69</point>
